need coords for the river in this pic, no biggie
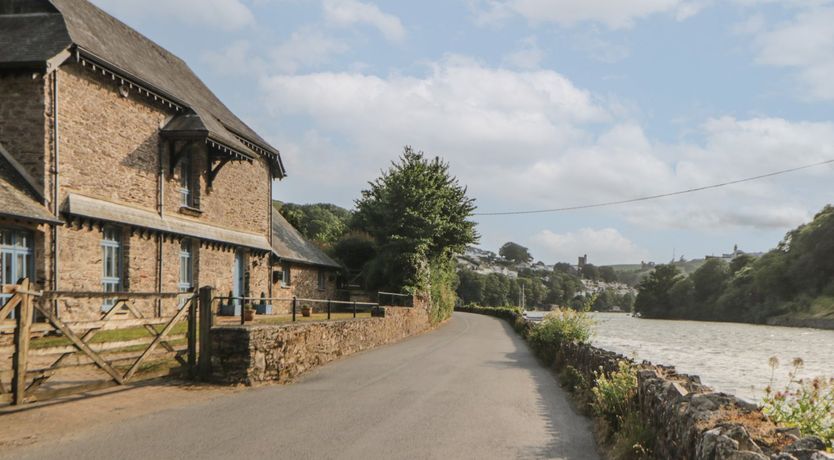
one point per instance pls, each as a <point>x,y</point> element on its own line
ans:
<point>729,357</point>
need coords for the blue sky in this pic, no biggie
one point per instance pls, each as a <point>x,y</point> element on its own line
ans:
<point>537,104</point>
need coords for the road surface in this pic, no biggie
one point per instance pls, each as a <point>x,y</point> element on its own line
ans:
<point>470,389</point>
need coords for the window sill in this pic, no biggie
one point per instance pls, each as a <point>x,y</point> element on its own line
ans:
<point>189,211</point>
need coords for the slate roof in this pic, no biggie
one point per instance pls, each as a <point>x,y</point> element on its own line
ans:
<point>41,29</point>
<point>17,200</point>
<point>288,244</point>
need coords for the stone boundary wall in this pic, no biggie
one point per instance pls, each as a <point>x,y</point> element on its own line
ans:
<point>255,354</point>
<point>690,420</point>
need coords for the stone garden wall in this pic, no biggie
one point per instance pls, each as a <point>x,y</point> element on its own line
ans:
<point>254,354</point>
<point>690,420</point>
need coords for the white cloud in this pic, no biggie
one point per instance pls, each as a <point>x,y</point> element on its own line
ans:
<point>615,14</point>
<point>531,139</point>
<point>806,44</point>
<point>352,12</point>
<point>528,57</point>
<point>305,48</point>
<point>225,14</point>
<point>603,246</point>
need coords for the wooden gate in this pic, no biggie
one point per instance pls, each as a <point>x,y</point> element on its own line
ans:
<point>122,344</point>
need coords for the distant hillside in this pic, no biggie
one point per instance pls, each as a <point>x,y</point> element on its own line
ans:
<point>323,223</point>
<point>632,274</point>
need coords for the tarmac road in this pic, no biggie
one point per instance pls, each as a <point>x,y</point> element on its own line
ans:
<point>470,389</point>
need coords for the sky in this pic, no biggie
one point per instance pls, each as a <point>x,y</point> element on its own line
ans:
<point>537,104</point>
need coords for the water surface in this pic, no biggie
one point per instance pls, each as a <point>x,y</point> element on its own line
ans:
<point>729,357</point>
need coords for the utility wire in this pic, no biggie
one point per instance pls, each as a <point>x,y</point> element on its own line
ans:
<point>654,197</point>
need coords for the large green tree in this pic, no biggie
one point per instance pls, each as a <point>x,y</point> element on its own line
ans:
<point>323,223</point>
<point>653,299</point>
<point>419,215</point>
<point>515,252</point>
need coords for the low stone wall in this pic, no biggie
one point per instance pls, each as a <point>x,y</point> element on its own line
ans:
<point>690,420</point>
<point>253,354</point>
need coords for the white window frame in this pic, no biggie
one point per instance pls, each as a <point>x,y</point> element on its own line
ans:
<point>286,276</point>
<point>186,279</point>
<point>16,258</point>
<point>112,252</point>
<point>186,183</point>
<point>321,281</point>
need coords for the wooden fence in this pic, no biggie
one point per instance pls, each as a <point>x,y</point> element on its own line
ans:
<point>120,347</point>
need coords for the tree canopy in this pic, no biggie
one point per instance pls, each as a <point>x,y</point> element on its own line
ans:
<point>419,216</point>
<point>323,223</point>
<point>515,252</point>
<point>792,278</point>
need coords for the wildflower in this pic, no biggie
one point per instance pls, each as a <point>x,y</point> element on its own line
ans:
<point>773,362</point>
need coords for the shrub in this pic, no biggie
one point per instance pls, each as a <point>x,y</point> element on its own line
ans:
<point>634,441</point>
<point>615,394</point>
<point>572,379</point>
<point>562,326</point>
<point>804,404</point>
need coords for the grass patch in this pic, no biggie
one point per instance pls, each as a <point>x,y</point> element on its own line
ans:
<point>112,335</point>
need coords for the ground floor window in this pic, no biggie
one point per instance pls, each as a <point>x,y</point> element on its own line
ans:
<point>16,254</point>
<point>322,280</point>
<point>111,247</point>
<point>186,266</point>
<point>286,275</point>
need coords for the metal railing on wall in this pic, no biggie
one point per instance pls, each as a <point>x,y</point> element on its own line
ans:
<point>293,309</point>
<point>394,299</point>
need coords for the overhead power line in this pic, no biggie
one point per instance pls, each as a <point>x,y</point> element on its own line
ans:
<point>654,197</point>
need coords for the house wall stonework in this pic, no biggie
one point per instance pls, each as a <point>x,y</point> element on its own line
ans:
<point>22,120</point>
<point>304,283</point>
<point>109,144</point>
<point>110,148</point>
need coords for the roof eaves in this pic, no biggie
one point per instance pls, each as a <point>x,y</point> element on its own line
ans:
<point>84,57</point>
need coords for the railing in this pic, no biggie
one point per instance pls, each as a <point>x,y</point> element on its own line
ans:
<point>394,299</point>
<point>277,310</point>
<point>54,357</point>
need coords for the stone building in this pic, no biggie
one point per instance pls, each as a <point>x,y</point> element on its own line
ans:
<point>119,169</point>
<point>301,268</point>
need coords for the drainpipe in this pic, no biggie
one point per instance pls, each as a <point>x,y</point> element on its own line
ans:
<point>269,233</point>
<point>159,237</point>
<point>55,186</point>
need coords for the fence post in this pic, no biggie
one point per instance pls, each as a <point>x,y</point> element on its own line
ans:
<point>242,312</point>
<point>354,309</point>
<point>328,309</point>
<point>21,342</point>
<point>206,318</point>
<point>293,308</point>
<point>192,336</point>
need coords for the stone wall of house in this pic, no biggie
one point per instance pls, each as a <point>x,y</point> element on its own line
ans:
<point>254,354</point>
<point>109,144</point>
<point>110,149</point>
<point>304,283</point>
<point>22,120</point>
<point>689,419</point>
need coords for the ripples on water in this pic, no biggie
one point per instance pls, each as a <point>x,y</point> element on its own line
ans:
<point>729,357</point>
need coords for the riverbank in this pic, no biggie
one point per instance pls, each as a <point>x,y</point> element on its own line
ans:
<point>685,418</point>
<point>806,321</point>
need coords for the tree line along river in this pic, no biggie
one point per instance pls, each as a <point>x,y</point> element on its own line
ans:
<point>729,357</point>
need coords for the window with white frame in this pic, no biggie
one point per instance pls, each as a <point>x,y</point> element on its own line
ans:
<point>187,192</point>
<point>16,252</point>
<point>322,280</point>
<point>186,266</point>
<point>286,278</point>
<point>111,247</point>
